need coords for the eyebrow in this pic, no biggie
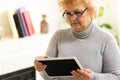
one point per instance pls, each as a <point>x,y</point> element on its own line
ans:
<point>74,10</point>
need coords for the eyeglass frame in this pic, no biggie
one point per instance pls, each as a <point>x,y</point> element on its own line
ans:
<point>77,15</point>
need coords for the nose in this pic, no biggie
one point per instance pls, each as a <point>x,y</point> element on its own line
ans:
<point>73,17</point>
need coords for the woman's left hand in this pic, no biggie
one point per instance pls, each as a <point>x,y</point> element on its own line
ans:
<point>84,74</point>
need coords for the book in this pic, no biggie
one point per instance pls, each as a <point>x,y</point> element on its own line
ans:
<point>21,20</point>
<point>28,22</point>
<point>12,24</point>
<point>17,23</point>
<point>61,66</point>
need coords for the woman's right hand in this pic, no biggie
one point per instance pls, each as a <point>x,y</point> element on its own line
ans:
<point>38,65</point>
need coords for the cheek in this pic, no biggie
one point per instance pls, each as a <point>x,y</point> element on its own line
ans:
<point>81,21</point>
<point>82,18</point>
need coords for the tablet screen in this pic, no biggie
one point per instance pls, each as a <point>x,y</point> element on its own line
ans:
<point>60,67</point>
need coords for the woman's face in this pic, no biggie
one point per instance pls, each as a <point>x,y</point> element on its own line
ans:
<point>78,17</point>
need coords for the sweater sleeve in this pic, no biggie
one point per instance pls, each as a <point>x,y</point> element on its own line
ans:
<point>51,52</point>
<point>111,63</point>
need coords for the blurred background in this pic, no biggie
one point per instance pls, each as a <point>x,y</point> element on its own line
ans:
<point>17,54</point>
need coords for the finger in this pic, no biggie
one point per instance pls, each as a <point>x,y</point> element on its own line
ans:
<point>77,75</point>
<point>82,73</point>
<point>85,73</point>
<point>37,63</point>
<point>74,73</point>
<point>39,66</point>
<point>88,70</point>
<point>39,57</point>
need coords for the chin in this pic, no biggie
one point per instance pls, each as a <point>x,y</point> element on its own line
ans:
<point>77,28</point>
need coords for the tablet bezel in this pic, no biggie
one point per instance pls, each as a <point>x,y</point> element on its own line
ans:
<point>60,58</point>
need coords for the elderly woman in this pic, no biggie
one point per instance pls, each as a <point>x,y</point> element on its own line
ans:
<point>95,48</point>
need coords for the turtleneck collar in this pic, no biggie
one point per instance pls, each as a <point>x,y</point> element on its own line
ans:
<point>83,34</point>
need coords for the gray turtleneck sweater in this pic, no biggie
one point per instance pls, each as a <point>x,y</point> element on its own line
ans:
<point>95,48</point>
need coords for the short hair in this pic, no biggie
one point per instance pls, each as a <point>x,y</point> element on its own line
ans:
<point>92,7</point>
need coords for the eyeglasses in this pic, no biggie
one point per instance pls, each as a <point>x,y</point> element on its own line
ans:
<point>76,13</point>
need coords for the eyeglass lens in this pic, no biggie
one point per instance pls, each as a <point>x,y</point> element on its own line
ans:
<point>76,13</point>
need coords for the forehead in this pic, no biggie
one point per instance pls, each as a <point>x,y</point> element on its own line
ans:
<point>75,7</point>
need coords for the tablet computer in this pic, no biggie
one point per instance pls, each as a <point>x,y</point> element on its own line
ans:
<point>61,66</point>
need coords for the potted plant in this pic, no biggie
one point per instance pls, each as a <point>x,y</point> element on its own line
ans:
<point>106,25</point>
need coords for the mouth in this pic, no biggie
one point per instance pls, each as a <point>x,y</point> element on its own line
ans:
<point>76,24</point>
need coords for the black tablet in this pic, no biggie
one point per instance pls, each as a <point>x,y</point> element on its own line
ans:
<point>61,67</point>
